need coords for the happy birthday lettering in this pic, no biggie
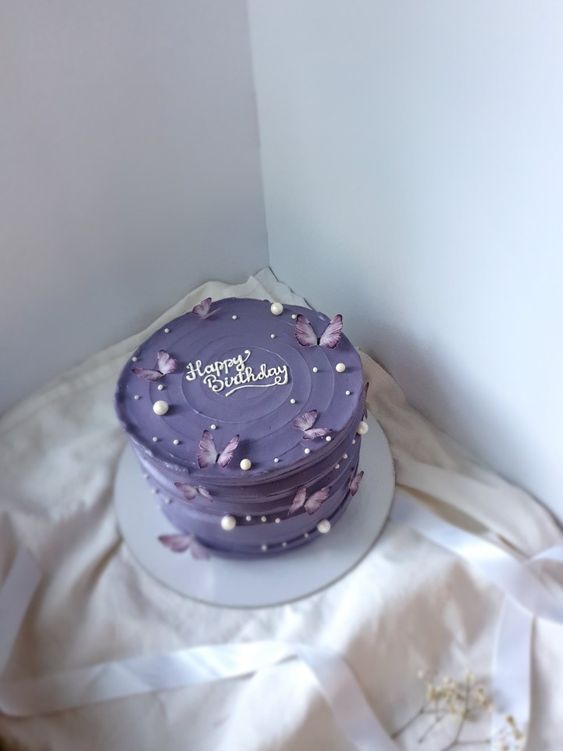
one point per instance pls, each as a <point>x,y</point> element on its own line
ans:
<point>232,373</point>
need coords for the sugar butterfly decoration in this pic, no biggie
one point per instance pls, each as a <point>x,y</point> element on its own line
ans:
<point>203,309</point>
<point>179,543</point>
<point>306,336</point>
<point>207,454</point>
<point>305,423</point>
<point>165,364</point>
<point>312,503</point>
<point>191,491</point>
<point>355,481</point>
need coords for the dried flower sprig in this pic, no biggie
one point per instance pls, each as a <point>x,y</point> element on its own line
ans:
<point>458,703</point>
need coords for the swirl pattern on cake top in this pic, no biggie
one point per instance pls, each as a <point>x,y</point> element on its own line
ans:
<point>245,421</point>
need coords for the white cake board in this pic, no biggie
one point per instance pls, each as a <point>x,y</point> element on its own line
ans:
<point>259,582</point>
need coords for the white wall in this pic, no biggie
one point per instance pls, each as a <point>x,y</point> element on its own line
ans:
<point>129,170</point>
<point>413,166</point>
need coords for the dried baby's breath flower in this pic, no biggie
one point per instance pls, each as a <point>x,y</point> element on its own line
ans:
<point>461,702</point>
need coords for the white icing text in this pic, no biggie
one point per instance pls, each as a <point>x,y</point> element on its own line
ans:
<point>231,374</point>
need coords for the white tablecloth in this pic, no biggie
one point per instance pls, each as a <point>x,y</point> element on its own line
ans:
<point>408,606</point>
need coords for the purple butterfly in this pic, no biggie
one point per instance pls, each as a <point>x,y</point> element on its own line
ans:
<point>329,338</point>
<point>355,481</point>
<point>190,491</point>
<point>203,309</point>
<point>312,503</point>
<point>207,453</point>
<point>165,364</point>
<point>179,543</point>
<point>305,423</point>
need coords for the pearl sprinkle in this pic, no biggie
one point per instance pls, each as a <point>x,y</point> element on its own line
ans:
<point>362,428</point>
<point>160,407</point>
<point>228,523</point>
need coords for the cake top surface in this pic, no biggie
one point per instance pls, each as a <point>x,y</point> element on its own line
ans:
<point>241,379</point>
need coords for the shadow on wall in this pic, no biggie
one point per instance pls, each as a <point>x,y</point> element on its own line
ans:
<point>446,396</point>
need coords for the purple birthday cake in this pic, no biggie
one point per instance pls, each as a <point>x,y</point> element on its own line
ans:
<point>246,417</point>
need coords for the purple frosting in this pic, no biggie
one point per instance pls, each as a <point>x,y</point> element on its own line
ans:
<point>276,383</point>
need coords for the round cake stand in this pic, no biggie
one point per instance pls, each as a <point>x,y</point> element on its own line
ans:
<point>273,580</point>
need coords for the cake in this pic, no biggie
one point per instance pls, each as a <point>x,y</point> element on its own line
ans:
<point>246,417</point>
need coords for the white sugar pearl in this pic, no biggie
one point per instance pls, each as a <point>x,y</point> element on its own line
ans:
<point>276,308</point>
<point>353,442</point>
<point>263,518</point>
<point>213,426</point>
<point>228,523</point>
<point>245,464</point>
<point>160,407</point>
<point>166,330</point>
<point>276,460</point>
<point>248,518</point>
<point>362,428</point>
<point>160,387</point>
<point>136,397</point>
<point>294,316</point>
<point>155,438</point>
<point>134,359</point>
<point>315,369</point>
<point>284,544</point>
<point>307,451</point>
<point>328,438</point>
<point>292,401</point>
<point>176,441</point>
<point>277,520</point>
<point>272,336</point>
<point>234,317</point>
<point>323,526</point>
<point>263,548</point>
<point>337,466</point>
<point>344,456</point>
<point>306,535</point>
<point>340,367</point>
<point>348,392</point>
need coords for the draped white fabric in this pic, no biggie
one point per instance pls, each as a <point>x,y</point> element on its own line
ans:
<point>409,605</point>
<point>71,689</point>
